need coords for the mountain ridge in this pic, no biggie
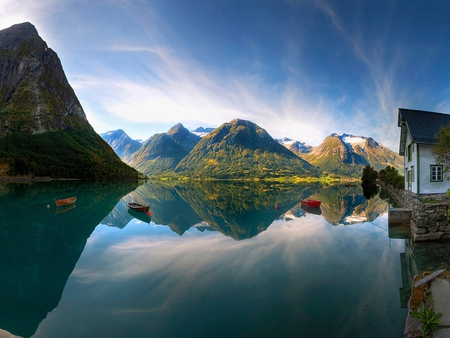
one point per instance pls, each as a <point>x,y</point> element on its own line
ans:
<point>240,149</point>
<point>162,152</point>
<point>339,154</point>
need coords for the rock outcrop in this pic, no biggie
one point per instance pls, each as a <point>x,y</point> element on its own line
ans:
<point>35,95</point>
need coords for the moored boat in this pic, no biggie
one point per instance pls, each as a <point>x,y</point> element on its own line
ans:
<point>138,207</point>
<point>312,203</point>
<point>65,201</point>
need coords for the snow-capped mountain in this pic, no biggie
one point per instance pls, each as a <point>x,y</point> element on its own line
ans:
<point>346,154</point>
<point>122,144</point>
<point>297,147</point>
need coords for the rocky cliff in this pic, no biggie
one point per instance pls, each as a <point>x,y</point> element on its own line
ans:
<point>43,128</point>
<point>35,95</point>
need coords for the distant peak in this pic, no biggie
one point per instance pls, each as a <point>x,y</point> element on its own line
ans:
<point>239,121</point>
<point>176,128</point>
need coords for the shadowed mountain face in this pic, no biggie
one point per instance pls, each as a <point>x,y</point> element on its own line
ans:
<point>162,152</point>
<point>40,245</point>
<point>122,144</point>
<point>35,95</point>
<point>43,128</point>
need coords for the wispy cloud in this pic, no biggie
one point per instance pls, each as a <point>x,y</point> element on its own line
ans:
<point>382,96</point>
<point>144,75</point>
<point>172,89</point>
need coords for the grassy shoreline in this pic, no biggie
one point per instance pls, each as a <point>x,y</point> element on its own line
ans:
<point>323,179</point>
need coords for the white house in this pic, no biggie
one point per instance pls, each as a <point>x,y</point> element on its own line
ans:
<point>419,130</point>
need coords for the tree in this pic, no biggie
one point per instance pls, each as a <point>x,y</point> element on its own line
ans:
<point>441,150</point>
<point>390,175</point>
<point>369,178</point>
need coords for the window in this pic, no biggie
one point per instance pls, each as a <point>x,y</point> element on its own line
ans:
<point>410,153</point>
<point>412,173</point>
<point>436,173</point>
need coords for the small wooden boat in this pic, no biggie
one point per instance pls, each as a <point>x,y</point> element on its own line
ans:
<point>309,202</point>
<point>65,201</point>
<point>138,207</point>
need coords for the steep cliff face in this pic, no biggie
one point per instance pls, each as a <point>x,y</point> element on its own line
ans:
<point>35,95</point>
<point>43,128</point>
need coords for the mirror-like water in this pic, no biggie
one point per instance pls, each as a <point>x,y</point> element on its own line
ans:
<point>213,260</point>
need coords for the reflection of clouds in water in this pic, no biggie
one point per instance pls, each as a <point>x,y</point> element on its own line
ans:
<point>199,263</point>
<point>305,271</point>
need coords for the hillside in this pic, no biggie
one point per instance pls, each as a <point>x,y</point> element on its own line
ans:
<point>241,149</point>
<point>162,152</point>
<point>43,128</point>
<point>347,155</point>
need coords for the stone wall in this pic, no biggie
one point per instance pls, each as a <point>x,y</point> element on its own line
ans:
<point>428,220</point>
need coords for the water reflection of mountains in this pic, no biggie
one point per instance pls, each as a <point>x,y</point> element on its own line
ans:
<point>39,245</point>
<point>244,209</point>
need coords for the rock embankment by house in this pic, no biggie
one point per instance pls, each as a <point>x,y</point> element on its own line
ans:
<point>429,214</point>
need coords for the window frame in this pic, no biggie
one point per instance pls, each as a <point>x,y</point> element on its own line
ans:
<point>438,173</point>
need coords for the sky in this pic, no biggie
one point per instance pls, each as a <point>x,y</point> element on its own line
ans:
<point>301,69</point>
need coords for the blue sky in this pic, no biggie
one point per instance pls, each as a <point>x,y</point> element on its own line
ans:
<point>298,68</point>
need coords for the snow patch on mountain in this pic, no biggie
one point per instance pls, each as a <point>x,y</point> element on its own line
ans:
<point>354,139</point>
<point>295,146</point>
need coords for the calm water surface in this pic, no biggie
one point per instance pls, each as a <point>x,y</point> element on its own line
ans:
<point>213,260</point>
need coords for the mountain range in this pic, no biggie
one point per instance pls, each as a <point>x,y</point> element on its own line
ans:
<point>44,132</point>
<point>241,149</point>
<point>43,128</point>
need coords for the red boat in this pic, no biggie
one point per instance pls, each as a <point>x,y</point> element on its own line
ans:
<point>309,202</point>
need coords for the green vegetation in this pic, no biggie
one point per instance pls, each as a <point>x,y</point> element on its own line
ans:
<point>369,178</point>
<point>390,176</point>
<point>240,163</point>
<point>430,319</point>
<point>441,150</point>
<point>71,153</point>
<point>241,150</point>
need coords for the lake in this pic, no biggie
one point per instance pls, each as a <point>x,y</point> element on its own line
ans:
<point>214,259</point>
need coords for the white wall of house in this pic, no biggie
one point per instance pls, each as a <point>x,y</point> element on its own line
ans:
<point>425,161</point>
<point>418,160</point>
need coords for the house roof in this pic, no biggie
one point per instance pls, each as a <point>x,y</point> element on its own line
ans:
<point>423,125</point>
